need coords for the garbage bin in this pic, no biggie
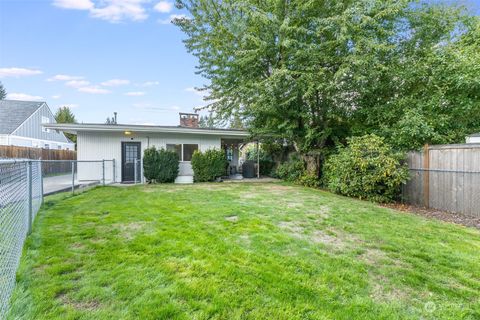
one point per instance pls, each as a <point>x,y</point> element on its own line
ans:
<point>248,169</point>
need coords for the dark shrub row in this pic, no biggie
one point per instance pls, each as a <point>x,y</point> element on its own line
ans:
<point>160,166</point>
<point>209,165</point>
<point>366,168</point>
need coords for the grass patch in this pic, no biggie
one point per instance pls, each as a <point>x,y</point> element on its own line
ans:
<point>242,251</point>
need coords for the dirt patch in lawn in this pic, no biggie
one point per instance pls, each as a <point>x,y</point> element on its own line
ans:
<point>334,241</point>
<point>130,230</point>
<point>77,246</point>
<point>232,218</point>
<point>438,214</point>
<point>292,227</point>
<point>79,305</point>
<point>382,291</point>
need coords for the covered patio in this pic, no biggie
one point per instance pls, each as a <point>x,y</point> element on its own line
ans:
<point>238,167</point>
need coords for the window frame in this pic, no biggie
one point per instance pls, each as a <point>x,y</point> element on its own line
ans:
<point>45,120</point>
<point>182,149</point>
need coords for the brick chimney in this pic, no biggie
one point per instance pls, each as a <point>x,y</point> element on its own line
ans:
<point>189,120</point>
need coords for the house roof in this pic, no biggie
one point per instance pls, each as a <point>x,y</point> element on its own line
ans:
<point>13,113</point>
<point>97,127</point>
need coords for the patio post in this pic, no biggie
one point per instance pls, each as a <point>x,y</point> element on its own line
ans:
<point>258,159</point>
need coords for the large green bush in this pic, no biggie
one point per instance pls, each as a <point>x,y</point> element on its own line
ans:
<point>150,164</point>
<point>367,168</point>
<point>160,165</point>
<point>291,170</point>
<point>208,165</point>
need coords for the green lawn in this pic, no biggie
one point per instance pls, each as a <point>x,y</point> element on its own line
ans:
<point>242,251</point>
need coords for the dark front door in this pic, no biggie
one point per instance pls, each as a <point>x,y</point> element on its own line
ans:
<point>130,152</point>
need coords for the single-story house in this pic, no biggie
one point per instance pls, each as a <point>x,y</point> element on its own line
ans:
<point>21,125</point>
<point>126,143</point>
<point>473,138</point>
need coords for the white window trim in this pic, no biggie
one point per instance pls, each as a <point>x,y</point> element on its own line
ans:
<point>181,149</point>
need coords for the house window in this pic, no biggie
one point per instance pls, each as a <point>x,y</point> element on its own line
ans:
<point>44,121</point>
<point>46,146</point>
<point>229,153</point>
<point>177,148</point>
<point>184,151</point>
<point>188,150</point>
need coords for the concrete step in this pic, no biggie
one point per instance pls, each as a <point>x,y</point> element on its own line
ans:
<point>184,179</point>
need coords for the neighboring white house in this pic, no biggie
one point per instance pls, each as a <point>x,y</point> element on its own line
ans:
<point>473,138</point>
<point>126,143</point>
<point>21,125</point>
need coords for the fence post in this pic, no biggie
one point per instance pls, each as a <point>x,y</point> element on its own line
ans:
<point>73,177</point>
<point>135,171</point>
<point>141,172</point>
<point>30,209</point>
<point>113,175</point>
<point>426,175</point>
<point>103,172</point>
<point>41,178</point>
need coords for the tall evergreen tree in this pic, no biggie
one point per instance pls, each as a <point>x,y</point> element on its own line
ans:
<point>65,115</point>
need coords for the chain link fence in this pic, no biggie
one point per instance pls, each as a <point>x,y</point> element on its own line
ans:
<point>23,183</point>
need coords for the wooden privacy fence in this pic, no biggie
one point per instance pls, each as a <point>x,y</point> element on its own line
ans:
<point>14,152</point>
<point>445,177</point>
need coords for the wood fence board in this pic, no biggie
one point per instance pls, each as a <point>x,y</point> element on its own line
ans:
<point>454,179</point>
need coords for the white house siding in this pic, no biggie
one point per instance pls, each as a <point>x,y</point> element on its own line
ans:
<point>108,145</point>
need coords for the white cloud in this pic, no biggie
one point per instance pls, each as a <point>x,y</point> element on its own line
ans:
<point>195,91</point>
<point>24,96</point>
<point>74,4</point>
<point>77,83</point>
<point>172,17</point>
<point>109,10</point>
<point>148,84</point>
<point>135,93</point>
<point>118,10</point>
<point>163,6</point>
<point>18,72</point>
<point>57,96</point>
<point>115,82</point>
<point>94,90</point>
<point>64,77</point>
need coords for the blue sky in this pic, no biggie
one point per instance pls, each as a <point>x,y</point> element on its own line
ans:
<point>101,56</point>
<point>98,57</point>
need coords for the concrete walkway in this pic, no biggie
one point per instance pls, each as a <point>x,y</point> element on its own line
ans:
<point>62,183</point>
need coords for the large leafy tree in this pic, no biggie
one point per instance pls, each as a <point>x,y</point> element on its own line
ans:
<point>3,92</point>
<point>65,115</point>
<point>433,95</point>
<point>314,71</point>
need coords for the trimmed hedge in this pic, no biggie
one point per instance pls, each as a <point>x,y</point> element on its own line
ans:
<point>160,166</point>
<point>208,165</point>
<point>367,168</point>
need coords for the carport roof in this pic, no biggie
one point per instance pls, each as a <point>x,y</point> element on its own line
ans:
<point>96,127</point>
